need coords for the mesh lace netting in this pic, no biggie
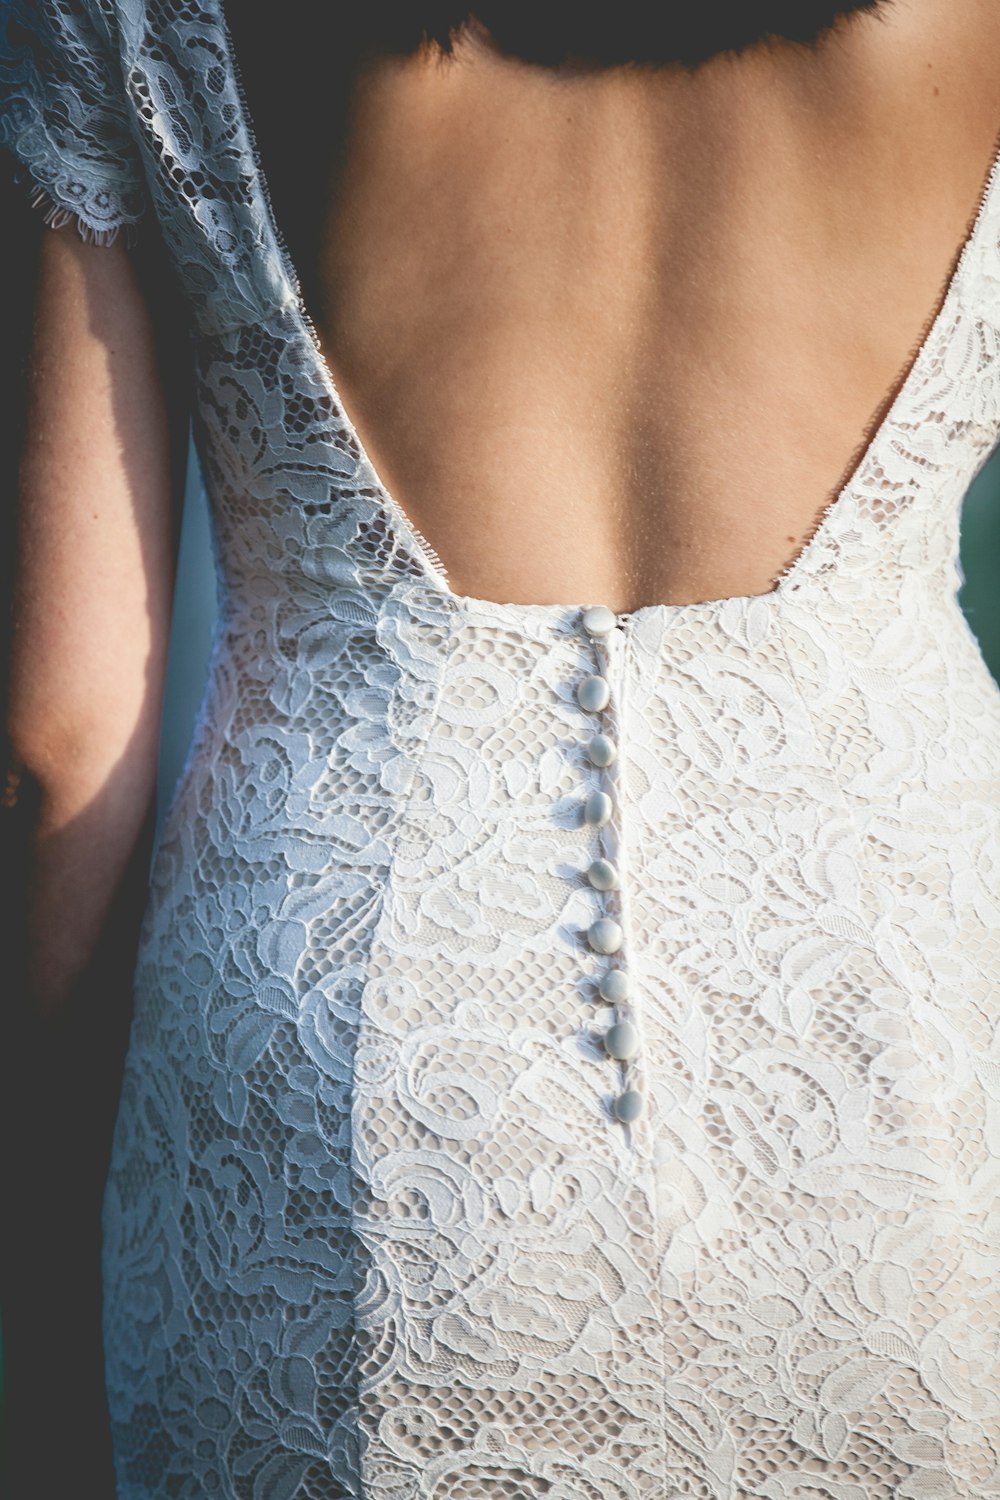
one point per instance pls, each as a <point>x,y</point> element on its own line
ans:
<point>372,1227</point>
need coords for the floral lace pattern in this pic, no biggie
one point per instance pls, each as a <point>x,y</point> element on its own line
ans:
<point>64,116</point>
<point>372,1227</point>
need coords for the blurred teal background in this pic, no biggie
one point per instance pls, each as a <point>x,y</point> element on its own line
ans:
<point>980,596</point>
<point>194,612</point>
<point>191,634</point>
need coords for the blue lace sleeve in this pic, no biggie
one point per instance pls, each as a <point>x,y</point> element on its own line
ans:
<point>65,114</point>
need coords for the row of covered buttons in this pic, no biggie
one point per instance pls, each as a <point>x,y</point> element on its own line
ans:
<point>621,1040</point>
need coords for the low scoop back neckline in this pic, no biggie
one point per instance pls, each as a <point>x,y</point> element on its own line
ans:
<point>406,531</point>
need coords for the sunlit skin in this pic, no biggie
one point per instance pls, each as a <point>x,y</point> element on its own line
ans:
<point>621,337</point>
<point>92,605</point>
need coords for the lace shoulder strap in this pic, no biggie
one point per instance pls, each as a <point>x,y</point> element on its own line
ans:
<point>199,158</point>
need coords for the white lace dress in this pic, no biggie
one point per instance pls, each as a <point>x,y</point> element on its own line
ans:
<point>387,1216</point>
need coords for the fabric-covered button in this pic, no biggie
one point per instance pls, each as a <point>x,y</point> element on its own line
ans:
<point>605,935</point>
<point>630,1105</point>
<point>621,1040</point>
<point>593,693</point>
<point>615,986</point>
<point>600,750</point>
<point>597,809</point>
<point>602,875</point>
<point>598,620</point>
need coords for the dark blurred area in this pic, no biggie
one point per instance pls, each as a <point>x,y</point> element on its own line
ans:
<point>549,35</point>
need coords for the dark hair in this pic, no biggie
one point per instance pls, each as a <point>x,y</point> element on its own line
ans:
<point>685,32</point>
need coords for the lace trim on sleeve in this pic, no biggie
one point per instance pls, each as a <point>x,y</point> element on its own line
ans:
<point>65,116</point>
<point>56,214</point>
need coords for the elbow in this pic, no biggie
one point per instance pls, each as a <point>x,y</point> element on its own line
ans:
<point>66,762</point>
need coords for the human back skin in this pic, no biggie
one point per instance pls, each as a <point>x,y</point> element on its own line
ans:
<point>622,334</point>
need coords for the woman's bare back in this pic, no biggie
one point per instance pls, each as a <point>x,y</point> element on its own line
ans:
<point>624,336</point>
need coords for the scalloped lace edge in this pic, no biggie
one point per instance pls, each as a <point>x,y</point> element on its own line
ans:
<point>56,214</point>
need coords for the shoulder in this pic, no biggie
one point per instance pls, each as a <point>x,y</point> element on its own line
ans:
<point>934,42</point>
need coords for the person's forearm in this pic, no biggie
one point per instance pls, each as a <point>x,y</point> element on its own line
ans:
<point>96,537</point>
<point>84,831</point>
<point>95,546</point>
<point>61,1072</point>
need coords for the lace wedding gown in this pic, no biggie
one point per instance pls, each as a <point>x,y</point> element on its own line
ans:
<point>387,1215</point>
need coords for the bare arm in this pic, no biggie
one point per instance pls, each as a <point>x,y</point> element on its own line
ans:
<point>92,595</point>
<point>96,543</point>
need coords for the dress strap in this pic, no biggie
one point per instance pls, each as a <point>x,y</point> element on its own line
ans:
<point>196,143</point>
